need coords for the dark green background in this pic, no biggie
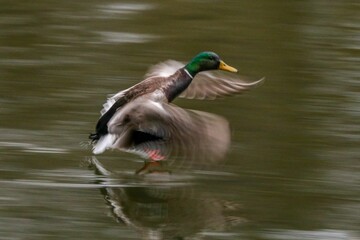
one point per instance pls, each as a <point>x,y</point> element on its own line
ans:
<point>293,168</point>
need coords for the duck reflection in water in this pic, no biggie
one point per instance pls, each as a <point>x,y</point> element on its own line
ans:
<point>142,119</point>
<point>163,205</point>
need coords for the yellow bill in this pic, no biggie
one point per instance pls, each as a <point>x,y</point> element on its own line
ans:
<point>225,67</point>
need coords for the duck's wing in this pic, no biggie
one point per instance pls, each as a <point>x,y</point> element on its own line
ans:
<point>211,85</point>
<point>111,100</point>
<point>165,131</point>
<point>206,85</point>
<point>164,69</point>
<point>109,108</point>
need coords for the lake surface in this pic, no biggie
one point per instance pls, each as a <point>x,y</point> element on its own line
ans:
<point>293,168</point>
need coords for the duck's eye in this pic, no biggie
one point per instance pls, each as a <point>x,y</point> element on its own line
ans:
<point>212,58</point>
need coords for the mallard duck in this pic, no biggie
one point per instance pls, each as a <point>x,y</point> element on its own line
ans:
<point>142,119</point>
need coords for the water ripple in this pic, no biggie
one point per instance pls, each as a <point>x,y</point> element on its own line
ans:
<point>124,37</point>
<point>124,8</point>
<point>29,147</point>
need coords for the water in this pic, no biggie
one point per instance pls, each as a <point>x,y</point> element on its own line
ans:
<point>293,168</point>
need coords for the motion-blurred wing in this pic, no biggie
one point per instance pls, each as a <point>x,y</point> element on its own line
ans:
<point>210,85</point>
<point>164,69</point>
<point>154,129</point>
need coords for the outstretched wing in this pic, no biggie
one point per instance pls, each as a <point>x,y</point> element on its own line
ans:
<point>154,129</point>
<point>211,85</point>
<point>206,85</point>
<point>164,69</point>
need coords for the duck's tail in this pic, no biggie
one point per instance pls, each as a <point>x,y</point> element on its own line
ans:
<point>94,137</point>
<point>103,143</point>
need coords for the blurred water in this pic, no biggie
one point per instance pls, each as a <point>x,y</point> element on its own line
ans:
<point>293,168</point>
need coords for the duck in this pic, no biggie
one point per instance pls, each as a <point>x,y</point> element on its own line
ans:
<point>143,120</point>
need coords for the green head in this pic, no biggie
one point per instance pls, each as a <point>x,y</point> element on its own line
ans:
<point>207,61</point>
